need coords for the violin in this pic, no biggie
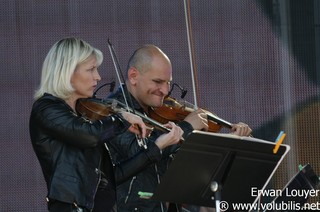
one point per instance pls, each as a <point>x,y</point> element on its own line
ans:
<point>93,108</point>
<point>172,110</point>
<point>96,109</point>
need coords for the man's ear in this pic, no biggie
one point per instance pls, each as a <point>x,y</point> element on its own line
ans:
<point>133,73</point>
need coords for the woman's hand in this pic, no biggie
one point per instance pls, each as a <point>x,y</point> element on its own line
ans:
<point>173,137</point>
<point>137,125</point>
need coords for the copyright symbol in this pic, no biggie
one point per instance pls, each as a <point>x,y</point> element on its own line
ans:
<point>223,205</point>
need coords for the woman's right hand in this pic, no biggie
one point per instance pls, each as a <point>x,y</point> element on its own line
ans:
<point>137,125</point>
<point>173,137</point>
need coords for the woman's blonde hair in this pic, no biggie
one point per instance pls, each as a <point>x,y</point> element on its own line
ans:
<point>60,63</point>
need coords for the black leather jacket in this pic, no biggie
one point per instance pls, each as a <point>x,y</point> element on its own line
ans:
<point>70,147</point>
<point>125,146</point>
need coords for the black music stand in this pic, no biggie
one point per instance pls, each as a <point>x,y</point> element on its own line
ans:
<point>211,167</point>
<point>304,180</point>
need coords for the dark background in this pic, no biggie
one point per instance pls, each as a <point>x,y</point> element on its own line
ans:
<point>257,62</point>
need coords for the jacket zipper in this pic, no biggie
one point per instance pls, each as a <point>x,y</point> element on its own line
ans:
<point>97,185</point>
<point>158,178</point>
<point>130,188</point>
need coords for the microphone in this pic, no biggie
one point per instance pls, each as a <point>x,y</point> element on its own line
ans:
<point>183,91</point>
<point>112,85</point>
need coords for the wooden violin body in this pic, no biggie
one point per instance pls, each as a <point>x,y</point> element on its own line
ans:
<point>172,110</point>
<point>94,108</point>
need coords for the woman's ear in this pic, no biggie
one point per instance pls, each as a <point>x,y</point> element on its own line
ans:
<point>133,73</point>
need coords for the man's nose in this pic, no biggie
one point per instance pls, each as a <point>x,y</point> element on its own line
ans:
<point>165,89</point>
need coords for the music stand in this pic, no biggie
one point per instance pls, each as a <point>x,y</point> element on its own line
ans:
<point>233,165</point>
<point>304,180</point>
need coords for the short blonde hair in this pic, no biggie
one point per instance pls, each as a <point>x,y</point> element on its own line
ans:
<point>60,63</point>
